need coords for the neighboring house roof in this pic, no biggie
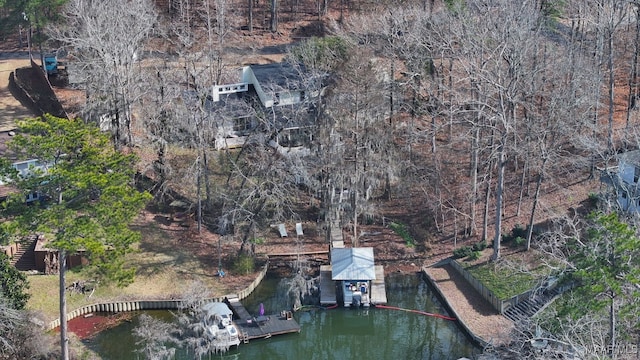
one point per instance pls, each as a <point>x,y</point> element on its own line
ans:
<point>353,264</point>
<point>630,157</point>
<point>281,75</point>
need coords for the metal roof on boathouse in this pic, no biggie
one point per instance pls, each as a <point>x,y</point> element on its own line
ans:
<point>353,264</point>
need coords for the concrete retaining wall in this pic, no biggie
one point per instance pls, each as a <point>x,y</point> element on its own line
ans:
<point>120,306</point>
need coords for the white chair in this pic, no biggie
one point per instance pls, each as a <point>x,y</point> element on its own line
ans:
<point>282,230</point>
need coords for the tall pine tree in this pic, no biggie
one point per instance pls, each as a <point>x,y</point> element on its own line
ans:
<point>92,198</point>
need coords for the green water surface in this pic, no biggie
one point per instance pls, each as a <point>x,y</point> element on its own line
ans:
<point>332,334</point>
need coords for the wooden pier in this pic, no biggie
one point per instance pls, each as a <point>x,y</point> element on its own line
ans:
<point>335,234</point>
<point>327,286</point>
<point>378,288</point>
<point>262,327</point>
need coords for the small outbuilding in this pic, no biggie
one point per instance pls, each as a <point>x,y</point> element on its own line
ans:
<point>354,269</point>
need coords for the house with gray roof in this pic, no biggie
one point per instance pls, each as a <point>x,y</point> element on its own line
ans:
<point>280,95</point>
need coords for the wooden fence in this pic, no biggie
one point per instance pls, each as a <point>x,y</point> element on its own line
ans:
<point>119,306</point>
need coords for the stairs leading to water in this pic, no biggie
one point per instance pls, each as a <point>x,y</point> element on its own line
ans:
<point>25,258</point>
<point>528,308</point>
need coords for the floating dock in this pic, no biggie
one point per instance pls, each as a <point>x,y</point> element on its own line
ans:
<point>262,327</point>
<point>378,288</point>
<point>327,286</point>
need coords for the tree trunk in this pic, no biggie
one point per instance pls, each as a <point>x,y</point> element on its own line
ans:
<point>199,193</point>
<point>598,60</point>
<point>611,91</point>
<point>274,15</point>
<point>474,181</point>
<point>612,327</point>
<point>391,88</point>
<point>499,196</point>
<point>250,19</point>
<point>523,179</point>
<point>64,338</point>
<point>487,194</point>
<point>536,196</point>
<point>633,76</point>
<point>355,219</point>
<point>433,134</point>
<point>207,182</point>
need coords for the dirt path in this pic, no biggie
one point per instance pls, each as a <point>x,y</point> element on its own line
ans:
<point>10,108</point>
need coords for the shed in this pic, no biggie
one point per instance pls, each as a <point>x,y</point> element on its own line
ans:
<point>353,264</point>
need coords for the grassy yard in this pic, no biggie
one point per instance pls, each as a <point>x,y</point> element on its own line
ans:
<point>514,274</point>
<point>167,260</point>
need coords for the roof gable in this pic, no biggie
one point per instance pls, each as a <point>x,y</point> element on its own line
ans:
<point>353,264</point>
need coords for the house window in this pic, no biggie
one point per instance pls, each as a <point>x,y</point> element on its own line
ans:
<point>623,194</point>
<point>276,99</point>
<point>242,124</point>
<point>636,174</point>
<point>32,197</point>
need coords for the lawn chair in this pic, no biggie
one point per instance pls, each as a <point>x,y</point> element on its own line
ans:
<point>282,230</point>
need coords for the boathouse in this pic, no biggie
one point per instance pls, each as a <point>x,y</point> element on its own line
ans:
<point>354,270</point>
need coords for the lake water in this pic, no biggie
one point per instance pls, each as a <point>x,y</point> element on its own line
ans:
<point>333,334</point>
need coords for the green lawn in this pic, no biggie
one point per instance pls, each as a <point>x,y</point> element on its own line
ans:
<point>165,270</point>
<point>517,273</point>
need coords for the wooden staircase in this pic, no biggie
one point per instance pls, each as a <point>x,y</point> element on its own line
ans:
<point>524,310</point>
<point>25,258</point>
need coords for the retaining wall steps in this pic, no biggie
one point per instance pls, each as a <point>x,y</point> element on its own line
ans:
<point>25,259</point>
<point>530,307</point>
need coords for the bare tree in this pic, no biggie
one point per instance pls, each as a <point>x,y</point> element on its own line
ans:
<point>22,335</point>
<point>105,41</point>
<point>156,338</point>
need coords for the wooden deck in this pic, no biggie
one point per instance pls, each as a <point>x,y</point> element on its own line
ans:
<point>262,327</point>
<point>378,288</point>
<point>327,286</point>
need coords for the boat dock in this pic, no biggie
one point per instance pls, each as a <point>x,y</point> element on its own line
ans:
<point>378,295</point>
<point>378,288</point>
<point>327,286</point>
<point>262,327</point>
